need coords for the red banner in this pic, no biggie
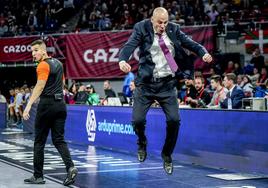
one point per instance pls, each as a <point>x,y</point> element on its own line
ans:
<point>16,49</point>
<point>19,48</point>
<point>95,55</point>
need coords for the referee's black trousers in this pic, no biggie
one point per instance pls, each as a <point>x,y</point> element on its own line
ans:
<point>51,115</point>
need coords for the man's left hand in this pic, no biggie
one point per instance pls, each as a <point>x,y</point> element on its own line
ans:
<point>26,112</point>
<point>207,58</point>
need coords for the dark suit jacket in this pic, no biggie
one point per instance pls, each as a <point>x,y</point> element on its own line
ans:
<point>143,36</point>
<point>236,97</point>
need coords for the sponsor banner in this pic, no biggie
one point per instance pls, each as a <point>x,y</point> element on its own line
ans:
<point>19,48</point>
<point>16,49</point>
<point>256,39</point>
<point>213,137</point>
<point>95,55</point>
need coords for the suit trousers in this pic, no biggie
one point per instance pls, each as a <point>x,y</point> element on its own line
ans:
<point>51,115</point>
<point>165,93</point>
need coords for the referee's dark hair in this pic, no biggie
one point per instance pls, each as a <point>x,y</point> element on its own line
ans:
<point>38,42</point>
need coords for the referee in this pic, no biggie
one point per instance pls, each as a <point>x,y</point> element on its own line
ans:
<point>51,113</point>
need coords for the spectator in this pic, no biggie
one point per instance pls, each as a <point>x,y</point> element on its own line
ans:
<point>230,67</point>
<point>257,59</point>
<point>109,92</point>
<point>32,21</point>
<point>202,98</point>
<point>67,95</point>
<point>93,97</point>
<point>126,86</point>
<point>81,96</point>
<point>247,86</point>
<point>239,80</point>
<point>235,93</point>
<point>219,93</point>
<point>18,104</point>
<point>190,91</point>
<point>262,78</point>
<point>11,107</point>
<point>2,98</point>
<point>255,77</point>
<point>237,68</point>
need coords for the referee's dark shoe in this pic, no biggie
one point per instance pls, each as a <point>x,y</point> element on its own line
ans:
<point>70,179</point>
<point>142,153</point>
<point>34,180</point>
<point>167,163</point>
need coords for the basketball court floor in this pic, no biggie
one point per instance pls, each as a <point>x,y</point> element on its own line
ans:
<point>105,167</point>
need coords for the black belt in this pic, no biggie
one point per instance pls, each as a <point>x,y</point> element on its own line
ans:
<point>58,96</point>
<point>167,78</point>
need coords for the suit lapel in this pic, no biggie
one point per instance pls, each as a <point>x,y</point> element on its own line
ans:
<point>170,33</point>
<point>149,29</point>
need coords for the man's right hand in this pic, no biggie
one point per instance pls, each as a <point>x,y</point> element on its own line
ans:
<point>124,66</point>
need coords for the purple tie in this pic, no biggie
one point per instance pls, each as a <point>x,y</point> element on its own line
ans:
<point>171,62</point>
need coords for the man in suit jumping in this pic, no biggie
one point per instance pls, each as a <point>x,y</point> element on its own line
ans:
<point>160,43</point>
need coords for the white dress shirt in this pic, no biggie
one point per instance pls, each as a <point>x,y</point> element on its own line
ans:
<point>162,68</point>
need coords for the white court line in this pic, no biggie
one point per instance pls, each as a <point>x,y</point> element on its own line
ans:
<point>114,162</point>
<point>104,160</point>
<point>31,171</point>
<point>125,164</point>
<point>118,170</point>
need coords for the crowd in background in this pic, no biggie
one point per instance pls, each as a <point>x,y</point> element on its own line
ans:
<point>18,17</point>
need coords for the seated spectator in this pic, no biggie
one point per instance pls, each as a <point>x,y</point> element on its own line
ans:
<point>2,98</point>
<point>219,93</point>
<point>109,92</point>
<point>81,96</point>
<point>237,69</point>
<point>190,92</point>
<point>255,77</point>
<point>126,86</point>
<point>235,93</point>
<point>239,80</point>
<point>132,90</point>
<point>93,97</point>
<point>18,104</point>
<point>73,90</point>
<point>261,91</point>
<point>230,68</point>
<point>11,107</point>
<point>202,98</point>
<point>67,95</point>
<point>247,86</point>
<point>262,78</point>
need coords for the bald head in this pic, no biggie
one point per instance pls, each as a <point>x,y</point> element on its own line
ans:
<point>160,19</point>
<point>160,10</point>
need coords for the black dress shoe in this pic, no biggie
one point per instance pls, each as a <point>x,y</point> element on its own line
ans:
<point>34,180</point>
<point>70,179</point>
<point>142,154</point>
<point>167,164</point>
